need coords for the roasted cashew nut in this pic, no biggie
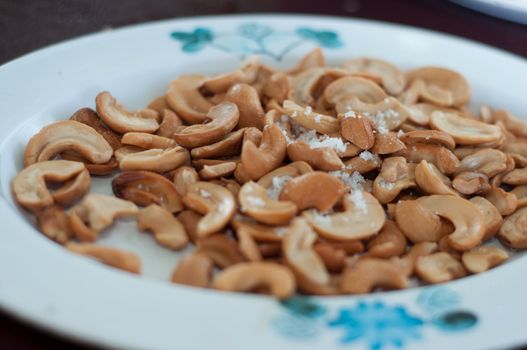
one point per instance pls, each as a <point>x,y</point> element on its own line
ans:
<point>306,117</point>
<point>385,73</point>
<point>231,145</point>
<point>489,162</point>
<point>215,202</point>
<point>247,73</point>
<point>89,117</point>
<point>53,222</point>
<point>193,270</point>
<point>255,202</point>
<point>120,259</point>
<point>440,156</point>
<point>439,267</point>
<point>183,177</point>
<point>67,135</point>
<point>430,180</point>
<point>513,232</point>
<point>369,273</point>
<point>419,224</point>
<point>429,136</point>
<point>481,259</point>
<point>147,141</point>
<point>388,243</point>
<point>167,230</point>
<point>465,131</point>
<point>223,250</point>
<point>324,158</point>
<point>307,83</point>
<point>246,98</point>
<point>396,175</point>
<point>185,98</point>
<point>492,218</point>
<point>119,119</point>
<point>245,277</point>
<point>158,160</point>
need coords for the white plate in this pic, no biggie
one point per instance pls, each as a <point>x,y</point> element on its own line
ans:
<point>513,10</point>
<point>44,284</point>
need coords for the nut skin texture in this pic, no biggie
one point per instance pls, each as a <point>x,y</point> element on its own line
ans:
<point>215,202</point>
<point>244,277</point>
<point>117,258</point>
<point>89,117</point>
<point>269,155</point>
<point>370,273</point>
<point>224,117</point>
<point>481,259</point>
<point>387,143</point>
<point>167,230</point>
<point>145,188</point>
<point>313,190</point>
<point>256,203</point>
<point>513,232</point>
<point>120,120</point>
<point>67,135</point>
<point>439,267</point>
<point>193,270</point>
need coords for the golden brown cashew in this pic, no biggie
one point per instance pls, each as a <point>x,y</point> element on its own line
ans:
<point>215,202</point>
<point>223,250</point>
<point>224,118</point>
<point>464,215</point>
<point>306,84</point>
<point>308,267</point>
<point>471,183</point>
<point>167,230</point>
<point>333,258</point>
<point>147,141</point>
<point>96,212</point>
<point>170,124</point>
<point>363,89</point>
<point>387,143</point>
<point>481,259</point>
<point>324,158</point>
<point>279,176</point>
<point>67,135</point>
<point>216,171</point>
<point>277,87</point>
<point>247,73</point>
<point>362,164</point>
<point>231,145</point>
<point>144,188</point>
<point>505,202</point>
<point>441,157</point>
<point>439,267</point>
<point>395,176</point>
<point>513,232</point>
<point>158,160</point>
<point>430,180</point>
<point>465,131</point>
<point>429,136</point>
<point>183,177</point>
<point>89,117</point>
<point>29,185</point>
<point>260,233</point>
<point>259,160</point>
<point>72,189</point>
<point>363,217</point>
<point>516,177</point>
<point>193,270</point>
<point>247,245</point>
<point>521,194</point>
<point>119,119</point>
<point>369,273</point>
<point>54,223</point>
<point>245,277</point>
<point>255,202</point>
<point>313,190</point>
<point>418,223</point>
<point>380,71</point>
<point>489,162</point>
<point>306,117</point>
<point>313,59</point>
<point>492,218</point>
<point>388,243</point>
<point>184,97</point>
<point>246,98</point>
<point>117,258</point>
<point>357,130</point>
<point>440,86</point>
<point>409,260</point>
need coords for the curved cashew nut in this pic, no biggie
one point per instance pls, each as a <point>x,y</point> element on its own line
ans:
<point>245,277</point>
<point>158,160</point>
<point>89,117</point>
<point>306,117</point>
<point>259,232</point>
<point>231,145</point>
<point>431,180</point>
<point>259,160</point>
<point>167,230</point>
<point>324,158</point>
<point>54,223</point>
<point>215,202</point>
<point>170,123</point>
<point>117,258</point>
<point>516,177</point>
<point>67,135</point>
<point>387,143</point>
<point>488,161</point>
<point>256,203</point>
<point>395,176</point>
<point>409,260</point>
<point>309,269</point>
<point>72,189</point>
<point>185,98</point>
<point>440,86</point>
<point>481,259</point>
<point>119,119</point>
<point>439,267</point>
<point>29,186</point>
<point>210,172</point>
<point>362,164</point>
<point>363,217</point>
<point>441,157</point>
<point>382,72</point>
<point>429,136</point>
<point>333,258</point>
<point>313,59</point>
<point>183,177</point>
<point>389,113</point>
<point>313,190</point>
<point>224,118</point>
<point>513,232</point>
<point>464,215</point>
<point>369,273</point>
<point>305,84</point>
<point>96,212</point>
<point>471,183</point>
<point>363,89</point>
<point>358,130</point>
<point>505,202</point>
<point>246,98</point>
<point>388,243</point>
<point>417,223</point>
<point>247,73</point>
<point>277,87</point>
<point>465,131</point>
<point>279,176</point>
<point>147,141</point>
<point>193,270</point>
<point>492,218</point>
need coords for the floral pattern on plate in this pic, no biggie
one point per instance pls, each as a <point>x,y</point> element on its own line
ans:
<point>256,39</point>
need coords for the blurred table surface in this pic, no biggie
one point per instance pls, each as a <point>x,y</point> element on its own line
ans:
<point>26,25</point>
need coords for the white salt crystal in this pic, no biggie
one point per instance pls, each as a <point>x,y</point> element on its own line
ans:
<point>308,110</point>
<point>367,155</point>
<point>350,114</point>
<point>277,183</point>
<point>204,194</point>
<point>358,199</point>
<point>320,219</point>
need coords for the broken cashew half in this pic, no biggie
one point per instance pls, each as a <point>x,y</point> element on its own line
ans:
<point>167,230</point>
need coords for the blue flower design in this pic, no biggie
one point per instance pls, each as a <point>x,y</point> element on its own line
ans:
<point>378,325</point>
<point>195,40</point>
<point>324,38</point>
<point>255,31</point>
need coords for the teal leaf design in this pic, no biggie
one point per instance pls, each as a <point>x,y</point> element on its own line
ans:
<point>324,38</point>
<point>195,40</point>
<point>455,320</point>
<point>303,306</point>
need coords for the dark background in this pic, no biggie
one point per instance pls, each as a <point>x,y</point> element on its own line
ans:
<point>26,25</point>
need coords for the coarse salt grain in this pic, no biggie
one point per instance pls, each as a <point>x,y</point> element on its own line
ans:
<point>276,186</point>
<point>400,133</point>
<point>354,181</point>
<point>386,185</point>
<point>366,155</point>
<point>358,199</point>
<point>204,194</point>
<point>350,114</point>
<point>320,219</point>
<point>255,201</point>
<point>317,118</point>
<point>308,110</point>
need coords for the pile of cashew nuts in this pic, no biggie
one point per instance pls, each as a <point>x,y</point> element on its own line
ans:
<point>316,180</point>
